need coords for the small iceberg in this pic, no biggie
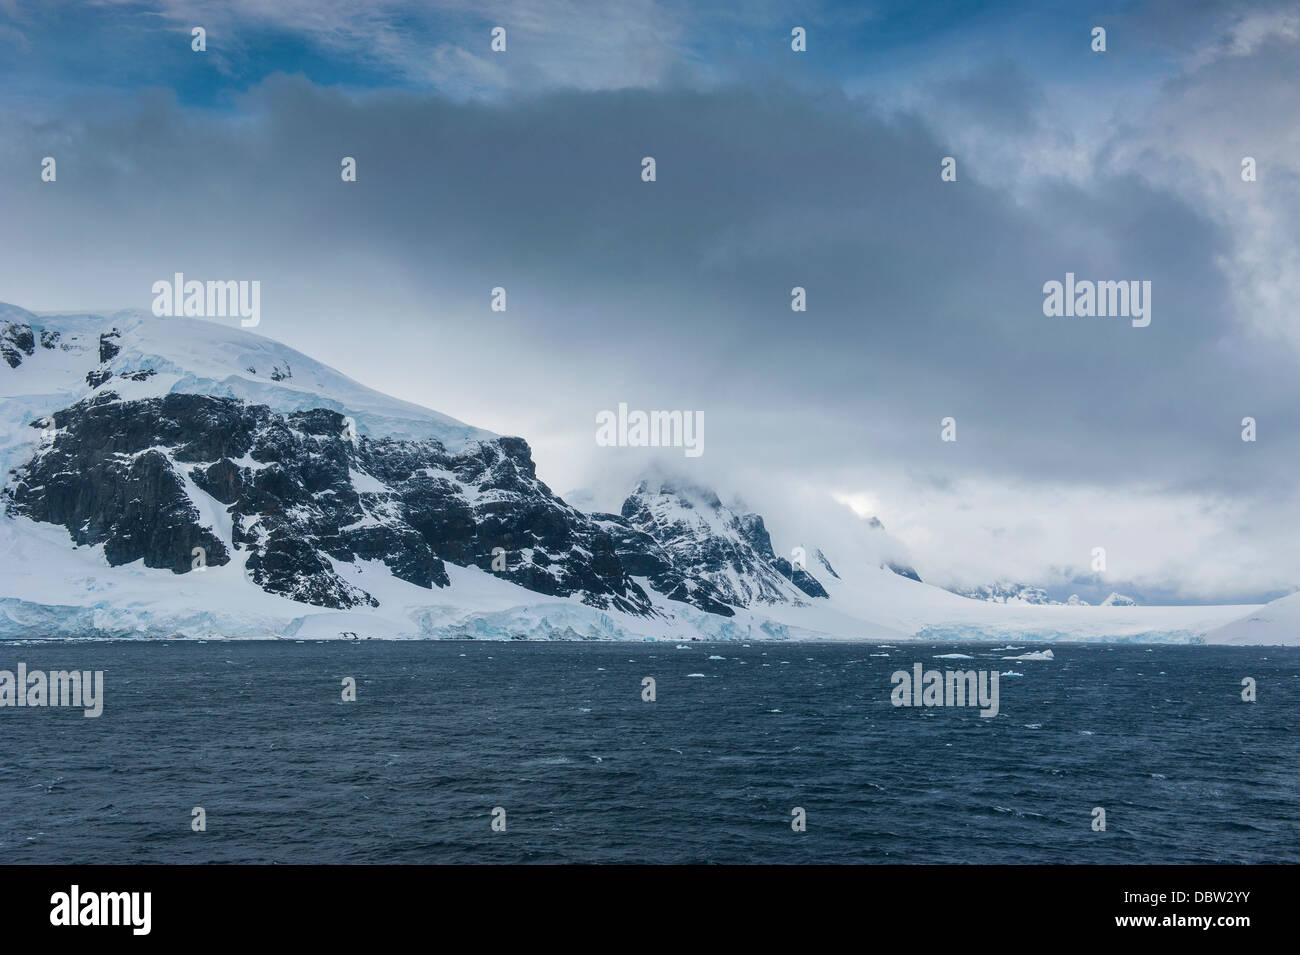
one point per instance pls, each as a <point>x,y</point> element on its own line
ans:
<point>953,656</point>
<point>716,657</point>
<point>1035,655</point>
<point>682,646</point>
<point>1010,673</point>
<point>695,674</point>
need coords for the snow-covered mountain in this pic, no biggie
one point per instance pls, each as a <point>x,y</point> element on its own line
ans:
<point>179,477</point>
<point>712,548</point>
<point>1004,592</point>
<point>137,452</point>
<point>1277,622</point>
<point>57,360</point>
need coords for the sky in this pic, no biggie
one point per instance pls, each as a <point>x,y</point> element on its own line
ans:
<point>774,169</point>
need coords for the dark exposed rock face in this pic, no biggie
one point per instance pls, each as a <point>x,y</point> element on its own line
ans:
<point>279,372</point>
<point>821,559</point>
<point>132,502</point>
<point>16,340</point>
<point>694,549</point>
<point>302,503</point>
<point>903,570</point>
<point>755,534</point>
<point>643,556</point>
<point>303,495</point>
<point>108,347</point>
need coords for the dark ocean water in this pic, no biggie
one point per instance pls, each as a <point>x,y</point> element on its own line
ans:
<point>441,733</point>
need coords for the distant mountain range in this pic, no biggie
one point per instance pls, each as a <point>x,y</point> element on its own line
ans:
<point>1010,593</point>
<point>176,477</point>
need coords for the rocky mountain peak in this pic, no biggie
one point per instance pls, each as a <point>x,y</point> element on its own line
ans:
<point>701,539</point>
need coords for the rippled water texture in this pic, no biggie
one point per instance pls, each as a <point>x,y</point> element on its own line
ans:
<point>557,734</point>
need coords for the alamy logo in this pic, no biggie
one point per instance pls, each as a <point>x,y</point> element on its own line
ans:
<point>653,429</point>
<point>75,907</point>
<point>81,688</point>
<point>1087,299</point>
<point>946,688</point>
<point>195,299</point>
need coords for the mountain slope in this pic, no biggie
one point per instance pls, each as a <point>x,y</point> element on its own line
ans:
<point>69,356</point>
<point>727,555</point>
<point>1277,622</point>
<point>179,477</point>
<point>299,492</point>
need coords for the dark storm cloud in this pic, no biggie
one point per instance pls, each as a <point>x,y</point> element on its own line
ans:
<point>925,298</point>
<point>775,169</point>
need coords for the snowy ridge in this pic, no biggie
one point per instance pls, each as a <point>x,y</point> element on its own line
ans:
<point>194,356</point>
<point>710,543</point>
<point>1275,623</point>
<point>128,440</point>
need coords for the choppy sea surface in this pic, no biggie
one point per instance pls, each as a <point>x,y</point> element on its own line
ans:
<point>558,735</point>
